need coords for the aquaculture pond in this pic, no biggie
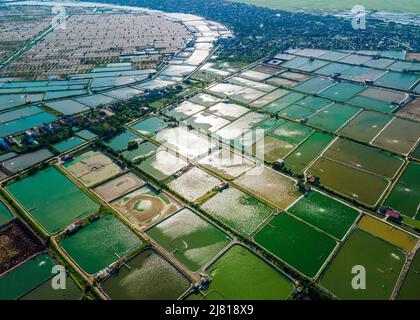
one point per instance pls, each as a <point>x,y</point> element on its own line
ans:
<point>333,117</point>
<point>364,158</point>
<point>52,199</point>
<point>204,99</point>
<point>226,164</point>
<point>238,210</point>
<point>382,261</point>
<point>149,277</point>
<point>315,85</point>
<point>25,277</point>
<point>119,186</point>
<point>185,142</point>
<point>5,214</point>
<point>184,110</point>
<point>283,102</point>
<point>145,206</point>
<point>388,232</point>
<point>241,275</point>
<point>120,142</point>
<point>68,144</point>
<point>365,126</point>
<point>149,126</point>
<point>25,123</point>
<point>162,165</point>
<point>280,142</point>
<point>229,111</point>
<point>86,134</point>
<point>360,185</point>
<point>342,91</point>
<point>194,184</point>
<point>192,240</point>
<point>405,195</point>
<point>143,150</point>
<point>411,284</point>
<point>100,243</point>
<point>302,156</point>
<point>325,213</point>
<point>46,292</point>
<point>206,122</point>
<point>93,167</point>
<point>399,136</point>
<point>296,243</point>
<point>265,183</point>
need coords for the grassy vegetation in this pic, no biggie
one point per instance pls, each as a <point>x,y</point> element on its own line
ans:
<point>292,5</point>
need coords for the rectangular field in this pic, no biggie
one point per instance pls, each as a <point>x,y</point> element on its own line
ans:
<point>382,261</point>
<point>241,275</point>
<point>93,167</point>
<point>192,240</point>
<point>89,250</point>
<point>405,195</point>
<point>278,190</point>
<point>296,243</point>
<point>325,213</point>
<point>353,183</point>
<point>150,277</point>
<point>52,199</point>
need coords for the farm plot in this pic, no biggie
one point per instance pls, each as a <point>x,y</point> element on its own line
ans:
<point>185,142</point>
<point>240,274</point>
<point>404,197</point>
<point>192,240</point>
<point>204,99</point>
<point>143,151</point>
<point>333,117</point>
<point>342,91</point>
<point>184,110</point>
<point>365,126</point>
<point>92,167</point>
<point>360,185</point>
<point>25,277</point>
<point>52,199</point>
<point>120,142</point>
<point>119,186</point>
<point>162,165</point>
<point>382,261</point>
<point>399,136</point>
<point>296,243</point>
<point>388,232</point>
<point>278,190</point>
<point>238,210</point>
<point>150,277</point>
<point>149,126</point>
<point>364,158</point>
<point>304,154</point>
<point>5,214</point>
<point>325,213</point>
<point>68,144</point>
<point>280,142</point>
<point>145,206</point>
<point>283,102</point>
<point>17,243</point>
<point>229,111</point>
<point>206,122</point>
<point>194,184</point>
<point>315,85</point>
<point>409,289</point>
<point>100,243</point>
<point>226,164</point>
